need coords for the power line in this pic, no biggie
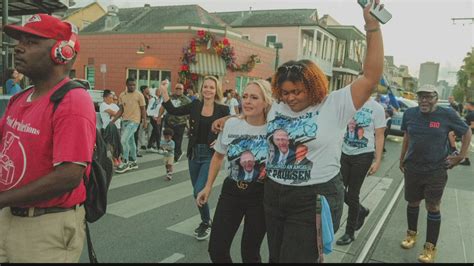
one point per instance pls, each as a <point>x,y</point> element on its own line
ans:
<point>462,19</point>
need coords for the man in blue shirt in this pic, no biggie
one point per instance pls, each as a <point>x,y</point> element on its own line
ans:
<point>12,85</point>
<point>424,160</point>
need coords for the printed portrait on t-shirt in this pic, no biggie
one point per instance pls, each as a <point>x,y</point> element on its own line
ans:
<point>246,156</point>
<point>247,170</point>
<point>12,173</point>
<point>287,153</point>
<point>354,136</point>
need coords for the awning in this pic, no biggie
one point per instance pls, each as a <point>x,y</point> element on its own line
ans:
<point>208,64</point>
<point>28,7</point>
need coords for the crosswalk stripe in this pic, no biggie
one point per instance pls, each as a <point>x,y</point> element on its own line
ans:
<point>155,199</point>
<point>187,226</point>
<point>173,258</point>
<point>137,176</point>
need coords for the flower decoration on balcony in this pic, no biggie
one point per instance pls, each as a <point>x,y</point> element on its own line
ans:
<point>221,47</point>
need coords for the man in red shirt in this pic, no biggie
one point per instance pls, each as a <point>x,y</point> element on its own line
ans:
<point>44,154</point>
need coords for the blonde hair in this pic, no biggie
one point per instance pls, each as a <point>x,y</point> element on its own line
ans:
<point>266,89</point>
<point>218,97</point>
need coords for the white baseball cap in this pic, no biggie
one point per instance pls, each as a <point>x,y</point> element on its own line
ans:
<point>427,88</point>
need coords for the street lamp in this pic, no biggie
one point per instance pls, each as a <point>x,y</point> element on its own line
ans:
<point>277,46</point>
<point>141,49</point>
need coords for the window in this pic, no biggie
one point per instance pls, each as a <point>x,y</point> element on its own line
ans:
<point>271,39</point>
<point>241,83</point>
<point>246,37</point>
<point>90,75</point>
<point>325,47</point>
<point>331,48</point>
<point>148,77</point>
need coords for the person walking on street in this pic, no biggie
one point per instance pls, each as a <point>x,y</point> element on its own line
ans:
<point>232,103</point>
<point>357,161</point>
<point>13,83</point>
<point>175,122</point>
<point>311,117</point>
<point>469,118</point>
<point>143,134</point>
<point>424,160</point>
<point>243,143</point>
<point>45,151</point>
<point>203,112</point>
<point>132,109</point>
<point>167,144</point>
<point>107,110</point>
<point>155,113</point>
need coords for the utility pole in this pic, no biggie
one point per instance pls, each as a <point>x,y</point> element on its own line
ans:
<point>5,45</point>
<point>461,19</point>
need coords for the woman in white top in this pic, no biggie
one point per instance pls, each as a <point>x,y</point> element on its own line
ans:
<point>232,103</point>
<point>155,111</point>
<point>310,117</point>
<point>243,143</point>
<point>357,162</point>
<point>108,110</point>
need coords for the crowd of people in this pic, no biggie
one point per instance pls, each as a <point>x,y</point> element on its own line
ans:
<point>289,146</point>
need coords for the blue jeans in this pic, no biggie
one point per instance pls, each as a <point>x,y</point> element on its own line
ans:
<point>128,140</point>
<point>198,170</point>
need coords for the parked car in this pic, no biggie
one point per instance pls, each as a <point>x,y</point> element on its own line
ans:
<point>398,116</point>
<point>96,95</point>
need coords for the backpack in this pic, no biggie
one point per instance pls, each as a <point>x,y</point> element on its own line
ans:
<point>97,184</point>
<point>101,172</point>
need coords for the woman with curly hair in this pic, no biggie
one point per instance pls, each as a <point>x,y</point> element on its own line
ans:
<point>310,116</point>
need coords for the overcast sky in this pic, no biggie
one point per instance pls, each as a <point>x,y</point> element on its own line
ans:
<point>420,30</point>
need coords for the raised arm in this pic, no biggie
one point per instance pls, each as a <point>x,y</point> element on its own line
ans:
<point>170,108</point>
<point>362,87</point>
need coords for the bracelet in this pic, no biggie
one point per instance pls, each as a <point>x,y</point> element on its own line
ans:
<point>371,30</point>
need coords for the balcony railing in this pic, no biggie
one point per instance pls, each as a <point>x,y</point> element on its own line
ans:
<point>326,66</point>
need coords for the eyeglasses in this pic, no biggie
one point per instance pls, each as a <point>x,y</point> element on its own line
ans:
<point>287,68</point>
<point>428,97</point>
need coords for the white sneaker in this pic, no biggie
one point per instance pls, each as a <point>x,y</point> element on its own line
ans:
<point>153,150</point>
<point>133,165</point>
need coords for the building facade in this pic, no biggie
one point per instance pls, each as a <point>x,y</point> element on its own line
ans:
<point>428,73</point>
<point>149,44</point>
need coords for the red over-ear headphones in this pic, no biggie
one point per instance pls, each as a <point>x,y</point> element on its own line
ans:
<point>63,51</point>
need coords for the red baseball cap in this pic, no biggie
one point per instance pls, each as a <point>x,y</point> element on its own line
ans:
<point>45,26</point>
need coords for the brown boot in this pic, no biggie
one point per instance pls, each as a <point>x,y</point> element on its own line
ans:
<point>428,254</point>
<point>409,240</point>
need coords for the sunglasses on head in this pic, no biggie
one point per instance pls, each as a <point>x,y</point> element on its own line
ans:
<point>287,68</point>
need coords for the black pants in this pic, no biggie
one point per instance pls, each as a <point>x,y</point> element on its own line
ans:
<point>155,136</point>
<point>290,217</point>
<point>178,131</point>
<point>234,204</point>
<point>354,169</point>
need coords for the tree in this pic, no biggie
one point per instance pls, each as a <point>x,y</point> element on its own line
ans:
<point>458,94</point>
<point>465,76</point>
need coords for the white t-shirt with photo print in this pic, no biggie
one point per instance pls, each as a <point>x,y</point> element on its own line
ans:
<point>245,149</point>
<point>319,130</point>
<point>368,118</point>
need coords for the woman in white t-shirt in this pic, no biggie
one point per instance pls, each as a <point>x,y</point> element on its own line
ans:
<point>357,161</point>
<point>232,103</point>
<point>243,143</point>
<point>310,125</point>
<point>108,110</point>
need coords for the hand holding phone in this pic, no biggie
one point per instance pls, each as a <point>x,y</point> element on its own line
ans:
<point>380,13</point>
